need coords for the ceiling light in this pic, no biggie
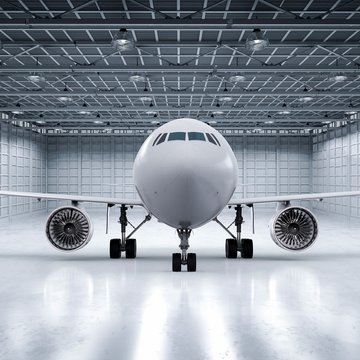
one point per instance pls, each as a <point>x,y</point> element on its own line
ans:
<point>145,98</point>
<point>306,99</point>
<point>284,112</point>
<point>36,77</point>
<point>83,112</point>
<point>212,122</point>
<point>155,122</point>
<point>123,41</point>
<point>40,122</point>
<point>350,113</point>
<point>225,98</point>
<point>151,112</point>
<point>217,112</point>
<point>98,122</point>
<point>256,41</point>
<point>326,122</point>
<point>338,77</point>
<point>269,122</point>
<point>65,98</point>
<point>17,112</point>
<point>137,77</point>
<point>237,78</point>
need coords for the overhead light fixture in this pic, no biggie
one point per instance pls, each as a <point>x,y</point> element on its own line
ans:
<point>217,112</point>
<point>225,98</point>
<point>151,112</point>
<point>98,122</point>
<point>137,77</point>
<point>237,78</point>
<point>338,77</point>
<point>269,122</point>
<point>123,41</point>
<point>350,113</point>
<point>36,77</point>
<point>155,122</point>
<point>306,99</point>
<point>84,112</point>
<point>256,41</point>
<point>65,98</point>
<point>284,112</point>
<point>145,98</point>
<point>40,122</point>
<point>212,122</point>
<point>17,112</point>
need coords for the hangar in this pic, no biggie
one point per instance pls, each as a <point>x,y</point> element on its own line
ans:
<point>84,83</point>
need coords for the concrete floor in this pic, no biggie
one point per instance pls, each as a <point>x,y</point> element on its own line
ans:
<point>83,305</point>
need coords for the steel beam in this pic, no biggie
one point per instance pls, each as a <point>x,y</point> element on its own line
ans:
<point>176,109</point>
<point>182,44</point>
<point>114,120</point>
<point>176,24</point>
<point>173,93</point>
<point>88,70</point>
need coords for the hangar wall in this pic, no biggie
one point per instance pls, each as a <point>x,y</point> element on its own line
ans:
<point>22,168</point>
<point>102,165</point>
<point>336,167</point>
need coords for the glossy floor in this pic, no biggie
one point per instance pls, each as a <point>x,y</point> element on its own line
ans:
<point>83,305</point>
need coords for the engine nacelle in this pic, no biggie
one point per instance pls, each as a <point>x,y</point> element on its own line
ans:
<point>69,228</point>
<point>294,228</point>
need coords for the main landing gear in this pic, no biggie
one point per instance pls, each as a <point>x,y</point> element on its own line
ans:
<point>184,258</point>
<point>126,243</point>
<point>236,243</point>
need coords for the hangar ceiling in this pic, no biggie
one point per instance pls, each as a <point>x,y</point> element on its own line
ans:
<point>186,56</point>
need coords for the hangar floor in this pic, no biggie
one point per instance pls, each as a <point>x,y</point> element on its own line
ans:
<point>83,305</point>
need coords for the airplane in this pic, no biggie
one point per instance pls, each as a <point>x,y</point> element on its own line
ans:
<point>185,174</point>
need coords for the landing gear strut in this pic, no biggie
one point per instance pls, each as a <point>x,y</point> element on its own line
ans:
<point>236,244</point>
<point>184,258</point>
<point>126,243</point>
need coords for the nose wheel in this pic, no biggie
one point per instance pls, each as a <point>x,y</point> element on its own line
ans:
<point>184,258</point>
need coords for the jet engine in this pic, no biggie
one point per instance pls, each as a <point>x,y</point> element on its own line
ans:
<point>293,228</point>
<point>69,228</point>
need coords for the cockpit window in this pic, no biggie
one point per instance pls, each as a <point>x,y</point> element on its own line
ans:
<point>196,136</point>
<point>177,136</point>
<point>157,138</point>
<point>162,139</point>
<point>217,141</point>
<point>211,139</point>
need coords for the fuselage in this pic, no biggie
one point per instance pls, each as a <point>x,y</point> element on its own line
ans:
<point>185,173</point>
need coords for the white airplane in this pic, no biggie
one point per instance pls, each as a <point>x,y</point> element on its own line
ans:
<point>185,174</point>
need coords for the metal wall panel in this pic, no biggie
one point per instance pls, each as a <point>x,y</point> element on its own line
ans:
<point>92,165</point>
<point>22,168</point>
<point>272,165</point>
<point>336,168</point>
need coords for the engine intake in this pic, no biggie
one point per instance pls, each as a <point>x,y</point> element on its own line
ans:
<point>69,228</point>
<point>294,228</point>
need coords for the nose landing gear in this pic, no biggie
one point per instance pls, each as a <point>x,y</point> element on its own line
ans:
<point>184,258</point>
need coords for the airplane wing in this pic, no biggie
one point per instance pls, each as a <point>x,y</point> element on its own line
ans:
<point>283,198</point>
<point>74,198</point>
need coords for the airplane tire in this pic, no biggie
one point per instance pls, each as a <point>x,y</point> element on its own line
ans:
<point>130,248</point>
<point>176,262</point>
<point>115,249</point>
<point>191,262</point>
<point>247,248</point>
<point>231,249</point>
